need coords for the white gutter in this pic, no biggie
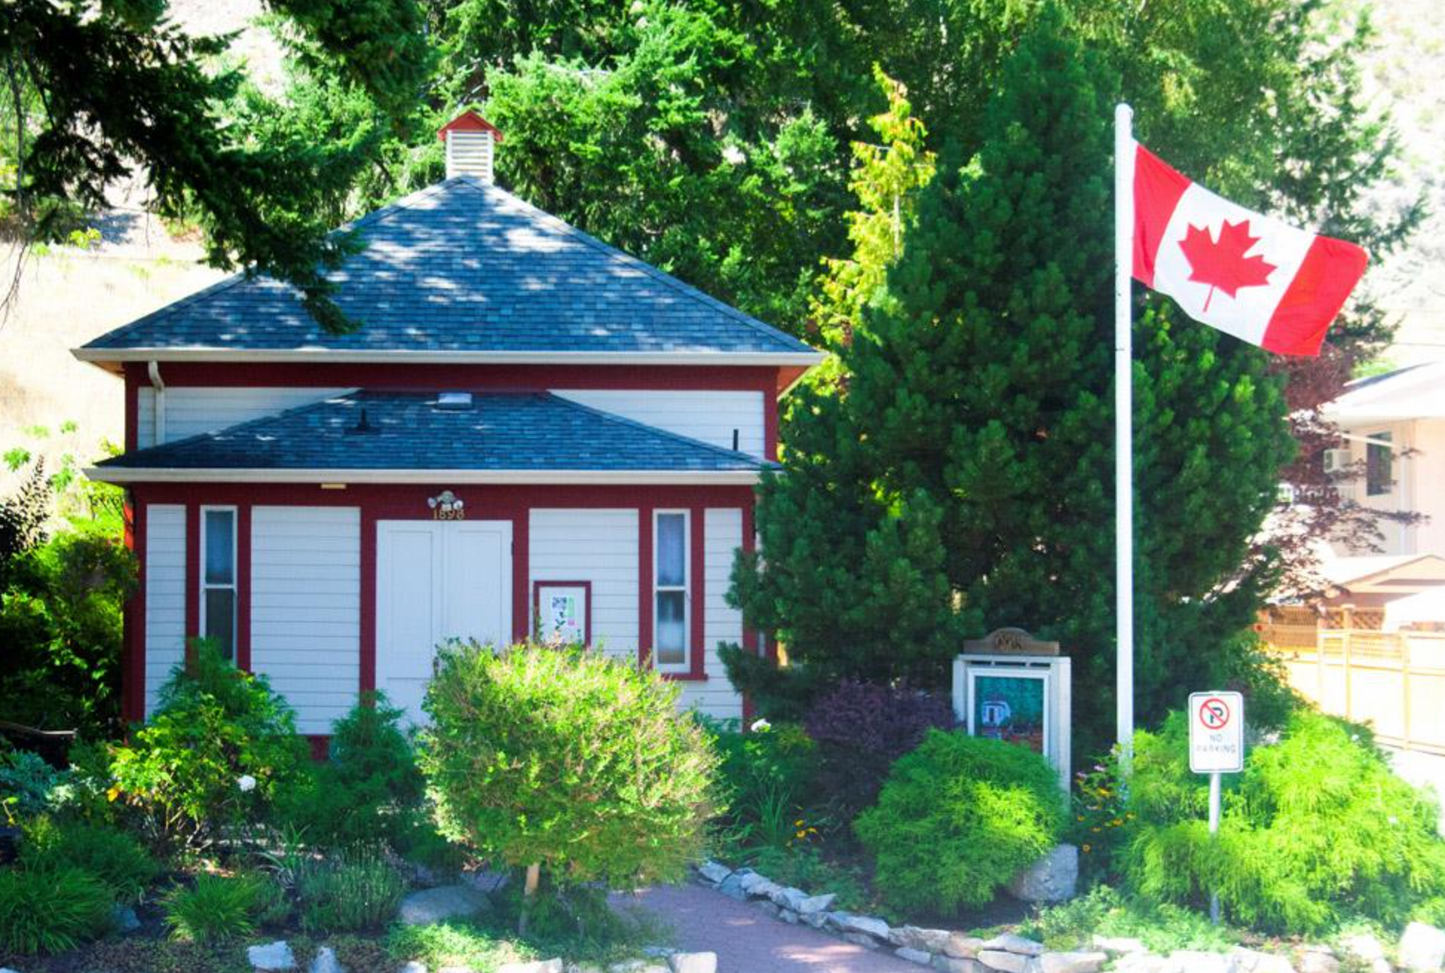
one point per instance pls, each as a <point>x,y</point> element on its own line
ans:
<point>804,359</point>
<point>122,475</point>
<point>158,418</point>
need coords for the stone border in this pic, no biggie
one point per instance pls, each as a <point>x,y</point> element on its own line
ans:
<point>1421,948</point>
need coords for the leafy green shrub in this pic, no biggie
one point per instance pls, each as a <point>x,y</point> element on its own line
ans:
<point>454,943</point>
<point>568,760</point>
<point>354,891</point>
<point>957,818</point>
<point>51,909</point>
<point>29,785</point>
<point>215,727</point>
<point>764,780</point>
<point>807,869</point>
<point>215,908</point>
<point>115,858</point>
<point>1105,911</point>
<point>369,789</point>
<point>1316,829</point>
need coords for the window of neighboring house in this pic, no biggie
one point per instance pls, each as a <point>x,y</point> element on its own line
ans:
<point>670,557</point>
<point>218,577</point>
<point>1379,466</point>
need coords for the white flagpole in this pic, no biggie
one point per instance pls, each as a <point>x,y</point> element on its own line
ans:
<point>1124,427</point>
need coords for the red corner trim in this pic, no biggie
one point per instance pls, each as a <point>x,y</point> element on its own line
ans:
<point>537,587</point>
<point>193,576</point>
<point>644,585</point>
<point>132,695</point>
<point>368,599</point>
<point>523,616</point>
<point>243,587</point>
<point>468,121</point>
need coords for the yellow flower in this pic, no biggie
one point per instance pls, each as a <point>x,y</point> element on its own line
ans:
<point>1088,848</point>
<point>802,834</point>
<point>1081,817</point>
<point>1117,822</point>
<point>798,823</point>
<point>1096,830</point>
<point>112,794</point>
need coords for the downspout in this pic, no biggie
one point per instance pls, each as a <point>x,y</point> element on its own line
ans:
<point>158,417</point>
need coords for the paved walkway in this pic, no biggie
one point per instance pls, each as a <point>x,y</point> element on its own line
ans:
<point>747,941</point>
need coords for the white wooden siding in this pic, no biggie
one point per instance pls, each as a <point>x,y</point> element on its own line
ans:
<point>306,608</point>
<point>165,595</point>
<point>194,410</point>
<point>708,416</point>
<point>722,536</point>
<point>599,546</point>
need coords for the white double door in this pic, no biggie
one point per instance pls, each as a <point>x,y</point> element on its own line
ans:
<point>437,580</point>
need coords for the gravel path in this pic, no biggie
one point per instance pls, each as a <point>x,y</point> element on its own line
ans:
<point>746,941</point>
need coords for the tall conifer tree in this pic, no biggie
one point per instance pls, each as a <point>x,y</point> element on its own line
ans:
<point>964,481</point>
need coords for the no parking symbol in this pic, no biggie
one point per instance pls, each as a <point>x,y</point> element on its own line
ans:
<point>1216,733</point>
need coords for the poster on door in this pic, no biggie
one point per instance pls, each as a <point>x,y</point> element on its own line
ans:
<point>562,614</point>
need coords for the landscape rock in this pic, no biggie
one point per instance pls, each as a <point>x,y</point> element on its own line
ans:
<point>273,956</point>
<point>768,907</point>
<point>765,890</point>
<point>747,879</point>
<point>1073,962</point>
<point>636,966</point>
<point>960,946</point>
<point>1053,878</point>
<point>815,904</point>
<point>919,956</point>
<point>1144,962</point>
<point>733,886</point>
<point>790,898</point>
<point>1004,962</point>
<point>325,961</point>
<point>956,964</point>
<point>484,880</point>
<point>414,966</point>
<point>714,872</point>
<point>914,937</point>
<point>1011,943</point>
<point>846,922</point>
<point>124,918</point>
<point>1318,959</point>
<point>861,939</point>
<point>693,962</point>
<point>1363,947</point>
<point>1422,948</point>
<point>443,902</point>
<point>1254,961</point>
<point>1119,945</point>
<point>533,966</point>
<point>815,919</point>
<point>788,916</point>
<point>1198,961</point>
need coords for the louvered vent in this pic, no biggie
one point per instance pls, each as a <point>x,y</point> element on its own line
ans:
<point>469,153</point>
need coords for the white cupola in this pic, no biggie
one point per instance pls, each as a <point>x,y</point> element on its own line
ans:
<point>470,141</point>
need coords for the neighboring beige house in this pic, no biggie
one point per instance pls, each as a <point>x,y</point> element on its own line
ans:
<point>1396,423</point>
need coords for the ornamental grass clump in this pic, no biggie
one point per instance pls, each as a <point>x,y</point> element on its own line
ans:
<point>957,819</point>
<point>1316,830</point>
<point>49,910</point>
<point>566,760</point>
<point>115,858</point>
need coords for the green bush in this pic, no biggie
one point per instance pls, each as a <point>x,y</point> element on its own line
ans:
<point>1106,911</point>
<point>51,909</point>
<point>115,858</point>
<point>1317,829</point>
<point>454,943</point>
<point>957,818</point>
<point>29,785</point>
<point>806,868</point>
<point>215,727</point>
<point>369,790</point>
<point>566,759</point>
<point>353,891</point>
<point>215,908</point>
<point>765,782</point>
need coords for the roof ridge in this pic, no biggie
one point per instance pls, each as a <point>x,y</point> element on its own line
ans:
<point>638,263</point>
<point>732,454</point>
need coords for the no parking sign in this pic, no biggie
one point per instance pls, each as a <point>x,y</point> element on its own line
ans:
<point>1216,733</point>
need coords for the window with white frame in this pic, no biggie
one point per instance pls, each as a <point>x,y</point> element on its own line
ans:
<point>1379,465</point>
<point>670,611</point>
<point>218,577</point>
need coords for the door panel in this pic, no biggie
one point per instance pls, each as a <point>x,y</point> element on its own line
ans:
<point>478,581</point>
<point>436,580</point>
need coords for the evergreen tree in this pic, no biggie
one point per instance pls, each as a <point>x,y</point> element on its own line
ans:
<point>964,482</point>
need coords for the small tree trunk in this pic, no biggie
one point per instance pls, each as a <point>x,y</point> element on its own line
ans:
<point>529,894</point>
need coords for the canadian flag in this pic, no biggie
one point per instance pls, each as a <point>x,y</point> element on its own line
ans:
<point>1248,275</point>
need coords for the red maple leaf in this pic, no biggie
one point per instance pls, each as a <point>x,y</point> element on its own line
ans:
<point>1222,263</point>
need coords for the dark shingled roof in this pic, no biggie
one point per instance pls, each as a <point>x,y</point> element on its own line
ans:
<point>409,430</point>
<point>464,266</point>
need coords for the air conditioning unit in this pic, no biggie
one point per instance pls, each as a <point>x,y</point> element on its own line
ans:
<point>1336,460</point>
